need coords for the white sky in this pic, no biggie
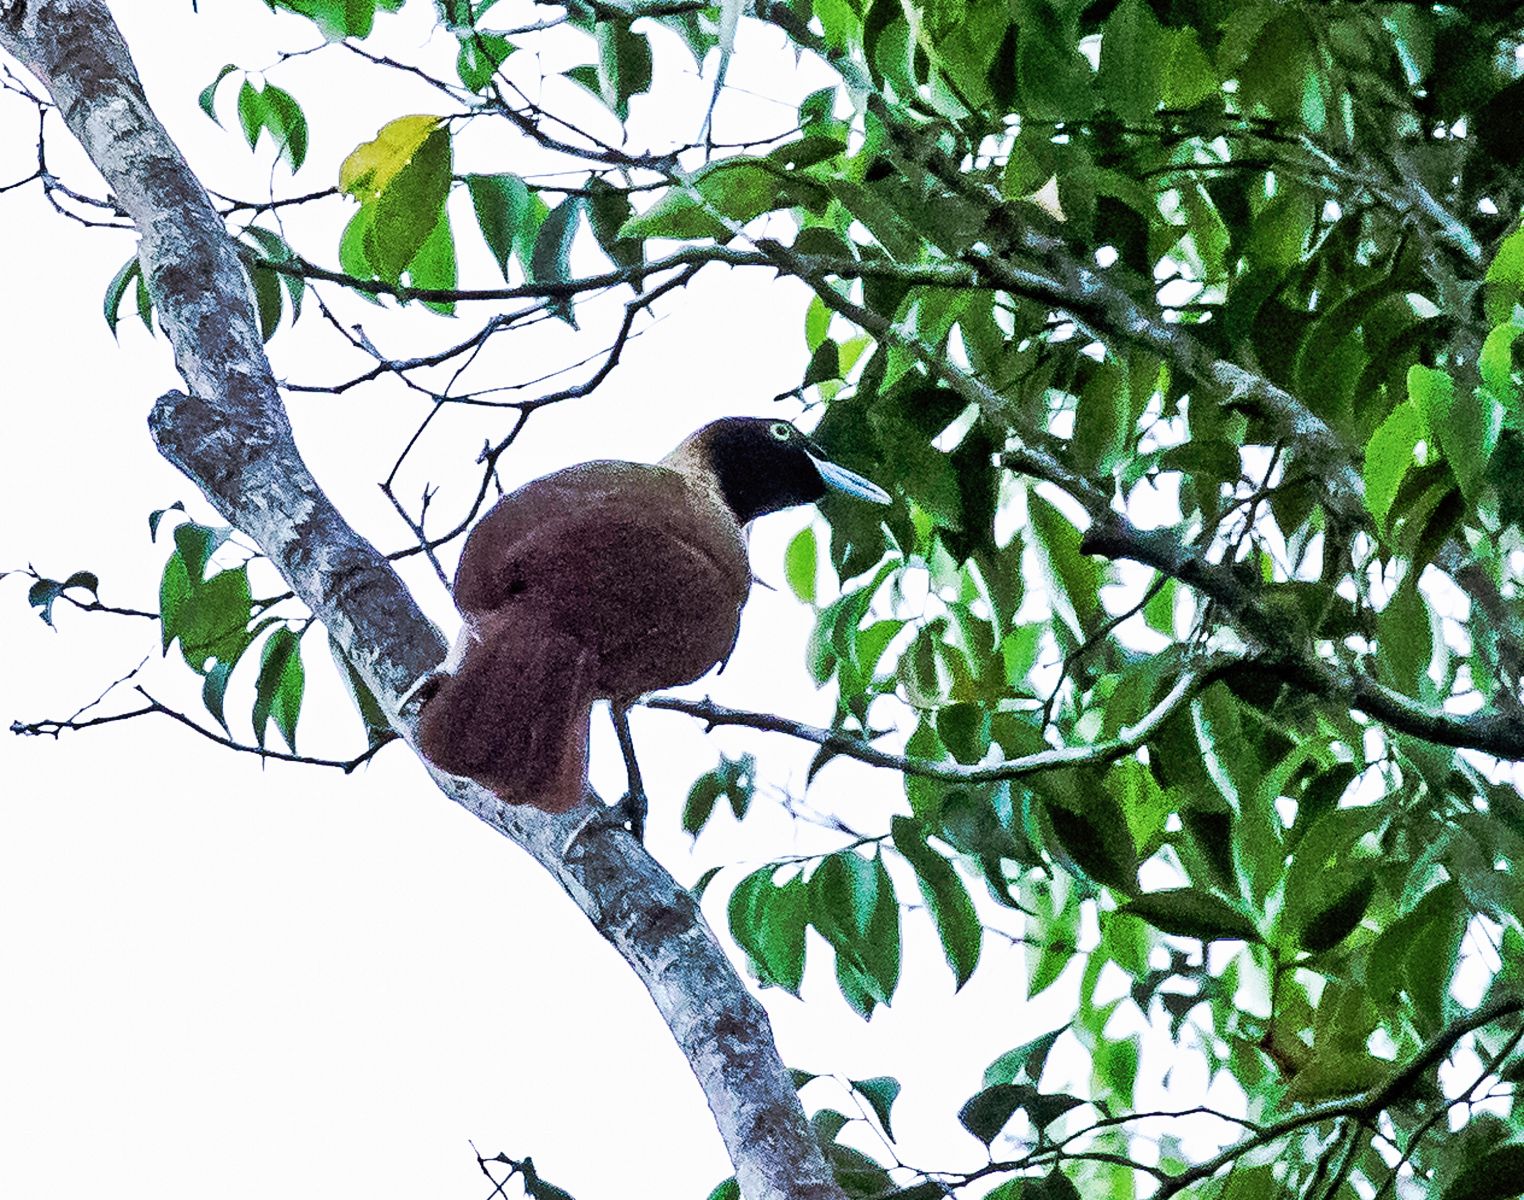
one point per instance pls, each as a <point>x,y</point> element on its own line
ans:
<point>249,982</point>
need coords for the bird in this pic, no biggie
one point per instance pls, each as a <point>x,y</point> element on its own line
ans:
<point>606,581</point>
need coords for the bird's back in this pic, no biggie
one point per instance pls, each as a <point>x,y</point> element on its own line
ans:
<point>644,569</point>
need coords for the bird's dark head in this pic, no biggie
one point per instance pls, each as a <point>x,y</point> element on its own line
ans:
<point>763,465</point>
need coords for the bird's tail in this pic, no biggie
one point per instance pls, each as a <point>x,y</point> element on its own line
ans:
<point>514,716</point>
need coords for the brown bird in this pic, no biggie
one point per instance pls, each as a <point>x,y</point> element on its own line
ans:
<point>603,582</point>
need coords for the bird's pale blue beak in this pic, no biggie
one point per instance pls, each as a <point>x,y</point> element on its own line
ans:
<point>849,482</point>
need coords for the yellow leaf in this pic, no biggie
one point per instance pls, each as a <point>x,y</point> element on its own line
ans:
<point>372,166</point>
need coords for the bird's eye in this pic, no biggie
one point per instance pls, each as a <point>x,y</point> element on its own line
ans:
<point>782,430</point>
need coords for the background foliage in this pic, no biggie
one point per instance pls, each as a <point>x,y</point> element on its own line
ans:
<point>1184,335</point>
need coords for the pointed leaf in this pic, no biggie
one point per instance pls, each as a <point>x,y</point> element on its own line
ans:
<point>952,911</point>
<point>500,202</point>
<point>1187,912</point>
<point>208,97</point>
<point>880,1092</point>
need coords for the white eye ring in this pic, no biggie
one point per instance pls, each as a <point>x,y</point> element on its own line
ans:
<point>781,430</point>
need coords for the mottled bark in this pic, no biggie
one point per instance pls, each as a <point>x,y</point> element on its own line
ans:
<point>229,434</point>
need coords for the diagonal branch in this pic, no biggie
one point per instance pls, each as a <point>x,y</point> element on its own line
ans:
<point>231,436</point>
<point>1363,1106</point>
<point>1281,648</point>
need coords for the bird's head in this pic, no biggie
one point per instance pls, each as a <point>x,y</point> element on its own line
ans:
<point>762,465</point>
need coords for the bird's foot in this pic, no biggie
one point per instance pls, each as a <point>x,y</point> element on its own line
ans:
<point>630,811</point>
<point>619,817</point>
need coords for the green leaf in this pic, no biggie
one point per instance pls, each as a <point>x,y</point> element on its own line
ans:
<point>817,321</point>
<point>988,1112</point>
<point>1388,456</point>
<point>287,124</point>
<point>768,920</point>
<point>739,189</point>
<point>1336,1072</point>
<point>702,797</point>
<point>1026,1060</point>
<point>1054,78</point>
<point>698,889</point>
<point>481,54</point>
<point>1406,636</point>
<point>952,911</point>
<point>1505,278</point>
<point>433,266</point>
<point>1098,841</point>
<point>145,303</point>
<point>881,950</point>
<point>41,595</point>
<point>1281,230</point>
<point>354,256</point>
<point>267,299</point>
<point>728,1190</point>
<point>1468,435</point>
<point>1329,925</point>
<point>608,208</point>
<point>371,713</point>
<point>131,271</point>
<point>825,364</point>
<point>1497,1175</point>
<point>278,689</point>
<point>208,97</point>
<point>1074,581</point>
<point>550,261</point>
<point>800,564</point>
<point>214,619</point>
<point>251,112</point>
<point>1132,45</point>
<point>536,1188</point>
<point>844,897</point>
<point>880,1092</point>
<point>1495,363</point>
<point>196,545</point>
<point>733,780</point>
<point>214,691</point>
<point>403,176</point>
<point>1103,419</point>
<point>273,247</point>
<point>1186,912</point>
<point>624,64</point>
<point>82,579</point>
<point>1189,78</point>
<point>339,19</point>
<point>1331,858</point>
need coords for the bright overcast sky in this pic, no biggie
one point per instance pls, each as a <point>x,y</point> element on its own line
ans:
<point>228,980</point>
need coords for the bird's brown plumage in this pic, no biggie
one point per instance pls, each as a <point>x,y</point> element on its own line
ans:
<point>602,581</point>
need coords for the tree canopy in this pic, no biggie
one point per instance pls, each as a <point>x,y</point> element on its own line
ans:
<point>1184,334</point>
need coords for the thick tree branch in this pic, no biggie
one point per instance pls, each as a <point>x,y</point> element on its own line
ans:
<point>231,436</point>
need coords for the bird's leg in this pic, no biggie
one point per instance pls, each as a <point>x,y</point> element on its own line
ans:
<point>633,806</point>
